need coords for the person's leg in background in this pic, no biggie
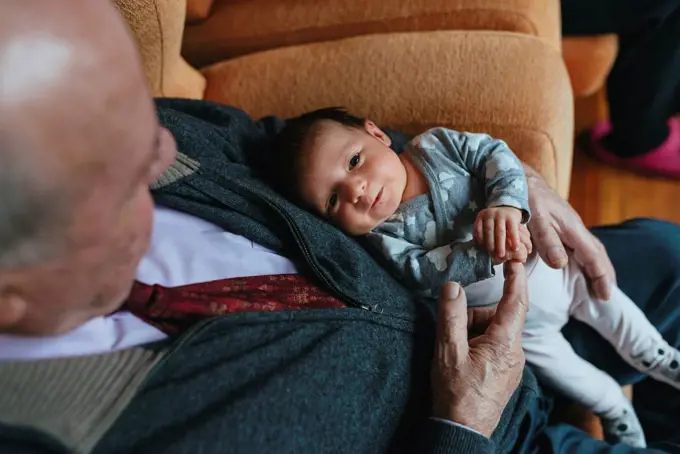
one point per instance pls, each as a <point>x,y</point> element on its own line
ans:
<point>643,85</point>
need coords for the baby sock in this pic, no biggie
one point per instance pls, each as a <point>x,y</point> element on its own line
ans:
<point>624,427</point>
<point>663,364</point>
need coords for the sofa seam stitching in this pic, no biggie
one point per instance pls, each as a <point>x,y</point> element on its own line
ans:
<point>162,45</point>
<point>523,18</point>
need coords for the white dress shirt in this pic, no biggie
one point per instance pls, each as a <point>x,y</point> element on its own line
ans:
<point>184,250</point>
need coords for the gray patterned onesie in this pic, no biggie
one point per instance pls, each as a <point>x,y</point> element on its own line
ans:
<point>429,239</point>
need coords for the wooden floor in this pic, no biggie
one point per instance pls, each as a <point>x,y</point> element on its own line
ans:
<point>603,195</point>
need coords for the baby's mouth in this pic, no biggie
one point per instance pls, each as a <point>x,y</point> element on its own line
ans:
<point>377,198</point>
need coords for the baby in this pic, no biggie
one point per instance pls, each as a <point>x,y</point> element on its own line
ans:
<point>452,207</point>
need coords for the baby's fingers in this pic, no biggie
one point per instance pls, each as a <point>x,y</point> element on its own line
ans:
<point>519,255</point>
<point>500,239</point>
<point>525,238</point>
<point>489,234</point>
<point>479,230</point>
<point>513,235</point>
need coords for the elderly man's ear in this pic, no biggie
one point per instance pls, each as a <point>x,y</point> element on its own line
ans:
<point>12,306</point>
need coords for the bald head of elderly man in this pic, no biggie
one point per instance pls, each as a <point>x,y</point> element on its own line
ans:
<point>79,144</point>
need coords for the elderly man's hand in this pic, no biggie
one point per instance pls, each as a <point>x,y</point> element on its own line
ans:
<point>555,226</point>
<point>474,378</point>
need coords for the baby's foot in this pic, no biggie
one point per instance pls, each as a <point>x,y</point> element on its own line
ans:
<point>665,365</point>
<point>625,428</point>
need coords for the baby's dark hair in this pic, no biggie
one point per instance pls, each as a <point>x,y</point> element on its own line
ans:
<point>289,144</point>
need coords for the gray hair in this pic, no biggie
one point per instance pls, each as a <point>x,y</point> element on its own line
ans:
<point>28,212</point>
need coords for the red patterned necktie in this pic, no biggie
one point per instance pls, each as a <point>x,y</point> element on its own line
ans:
<point>174,309</point>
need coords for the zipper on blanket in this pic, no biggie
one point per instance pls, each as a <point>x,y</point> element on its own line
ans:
<point>309,257</point>
<point>317,271</point>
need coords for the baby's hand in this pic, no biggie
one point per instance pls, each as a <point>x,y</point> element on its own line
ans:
<point>522,254</point>
<point>497,229</point>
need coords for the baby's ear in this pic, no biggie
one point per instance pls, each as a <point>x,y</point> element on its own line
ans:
<point>376,132</point>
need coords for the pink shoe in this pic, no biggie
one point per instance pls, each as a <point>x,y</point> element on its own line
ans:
<point>664,160</point>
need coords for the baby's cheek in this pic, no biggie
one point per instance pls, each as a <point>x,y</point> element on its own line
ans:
<point>344,221</point>
<point>350,222</point>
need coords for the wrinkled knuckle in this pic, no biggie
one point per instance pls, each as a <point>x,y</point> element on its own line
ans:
<point>446,337</point>
<point>516,363</point>
<point>538,211</point>
<point>521,359</point>
<point>503,351</point>
<point>540,233</point>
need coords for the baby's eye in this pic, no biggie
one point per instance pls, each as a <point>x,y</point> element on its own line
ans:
<point>354,161</point>
<point>331,202</point>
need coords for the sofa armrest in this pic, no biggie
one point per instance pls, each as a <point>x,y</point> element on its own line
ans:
<point>237,27</point>
<point>157,26</point>
<point>510,85</point>
<point>589,60</point>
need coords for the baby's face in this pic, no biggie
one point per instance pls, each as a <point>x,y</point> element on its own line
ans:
<point>351,176</point>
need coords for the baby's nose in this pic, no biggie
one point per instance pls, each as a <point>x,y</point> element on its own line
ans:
<point>356,189</point>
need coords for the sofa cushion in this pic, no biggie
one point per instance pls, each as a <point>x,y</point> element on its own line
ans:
<point>589,60</point>
<point>241,27</point>
<point>510,85</point>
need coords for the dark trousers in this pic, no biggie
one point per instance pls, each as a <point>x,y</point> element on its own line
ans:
<point>646,255</point>
<point>643,88</point>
